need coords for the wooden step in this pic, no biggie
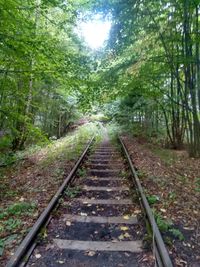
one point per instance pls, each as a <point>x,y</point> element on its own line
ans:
<point>130,246</point>
<point>104,161</point>
<point>105,188</point>
<point>104,201</point>
<point>101,219</point>
<point>109,150</point>
<point>108,178</point>
<point>103,166</point>
<point>103,173</point>
<point>105,157</point>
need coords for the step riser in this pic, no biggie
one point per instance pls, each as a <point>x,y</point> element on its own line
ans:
<point>103,173</point>
<point>105,162</point>
<point>103,201</point>
<point>106,179</point>
<point>103,166</point>
<point>105,152</point>
<point>105,188</point>
<point>106,155</point>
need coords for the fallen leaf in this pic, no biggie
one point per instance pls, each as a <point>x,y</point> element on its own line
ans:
<point>121,237</point>
<point>38,256</point>
<point>90,253</point>
<point>68,223</point>
<point>127,235</point>
<point>137,211</point>
<point>124,228</point>
<point>126,217</point>
<point>163,210</point>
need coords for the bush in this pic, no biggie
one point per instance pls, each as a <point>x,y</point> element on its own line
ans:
<point>36,136</point>
<point>5,142</point>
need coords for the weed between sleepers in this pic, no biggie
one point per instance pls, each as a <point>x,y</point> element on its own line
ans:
<point>72,192</point>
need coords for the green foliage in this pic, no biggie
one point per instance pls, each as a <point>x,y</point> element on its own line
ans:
<point>82,173</point>
<point>5,142</point>
<point>17,209</point>
<point>197,184</point>
<point>7,159</point>
<point>2,244</point>
<point>12,224</point>
<point>167,227</point>
<point>141,76</point>
<point>152,199</point>
<point>163,225</point>
<point>99,117</point>
<point>72,192</point>
<point>36,136</point>
<point>172,195</point>
<point>21,208</point>
<point>177,234</point>
<point>42,66</point>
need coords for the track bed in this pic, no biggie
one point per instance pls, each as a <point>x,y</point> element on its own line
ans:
<point>98,222</point>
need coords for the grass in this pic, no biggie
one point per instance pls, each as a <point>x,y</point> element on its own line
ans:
<point>152,199</point>
<point>72,192</point>
<point>48,163</point>
<point>82,173</point>
<point>197,184</point>
<point>17,209</point>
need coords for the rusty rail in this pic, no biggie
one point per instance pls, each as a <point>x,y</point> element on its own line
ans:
<point>161,253</point>
<point>28,241</point>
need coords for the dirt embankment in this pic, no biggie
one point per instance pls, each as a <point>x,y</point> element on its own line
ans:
<point>174,179</point>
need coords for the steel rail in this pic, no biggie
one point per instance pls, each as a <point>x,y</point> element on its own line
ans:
<point>162,255</point>
<point>24,247</point>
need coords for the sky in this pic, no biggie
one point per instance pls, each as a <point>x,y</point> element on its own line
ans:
<point>95,32</point>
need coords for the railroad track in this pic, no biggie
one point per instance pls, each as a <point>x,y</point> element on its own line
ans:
<point>98,220</point>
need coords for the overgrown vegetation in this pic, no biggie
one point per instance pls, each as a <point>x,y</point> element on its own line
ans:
<point>25,190</point>
<point>43,64</point>
<point>167,227</point>
<point>146,81</point>
<point>150,73</point>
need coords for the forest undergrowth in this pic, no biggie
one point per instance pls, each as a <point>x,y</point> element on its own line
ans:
<point>27,186</point>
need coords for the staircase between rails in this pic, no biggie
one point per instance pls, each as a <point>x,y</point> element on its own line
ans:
<point>98,221</point>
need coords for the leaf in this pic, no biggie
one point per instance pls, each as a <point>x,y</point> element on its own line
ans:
<point>124,228</point>
<point>163,210</point>
<point>38,256</point>
<point>127,235</point>
<point>10,239</point>
<point>90,253</point>
<point>121,237</point>
<point>126,217</point>
<point>68,223</point>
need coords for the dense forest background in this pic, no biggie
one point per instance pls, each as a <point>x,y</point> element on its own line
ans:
<point>147,77</point>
